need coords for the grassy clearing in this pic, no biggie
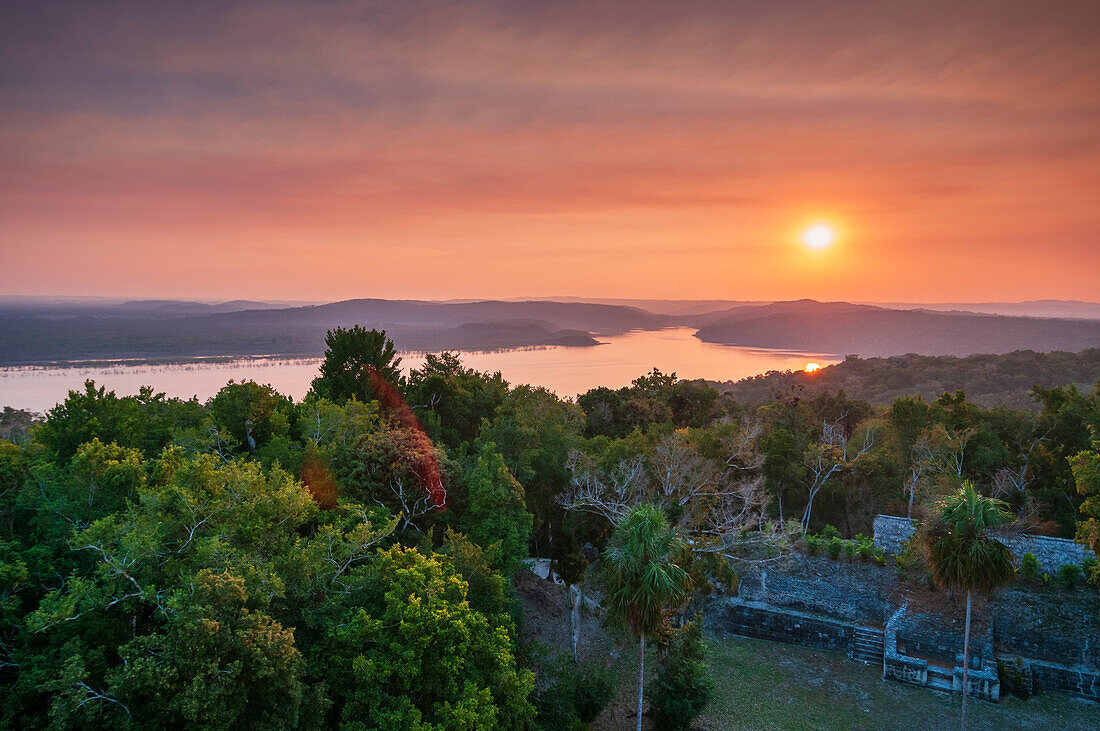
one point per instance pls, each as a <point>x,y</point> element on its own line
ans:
<point>769,685</point>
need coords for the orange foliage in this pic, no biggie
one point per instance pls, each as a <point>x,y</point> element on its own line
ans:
<point>319,481</point>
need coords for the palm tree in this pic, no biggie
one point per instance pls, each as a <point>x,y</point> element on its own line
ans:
<point>645,579</point>
<point>963,555</point>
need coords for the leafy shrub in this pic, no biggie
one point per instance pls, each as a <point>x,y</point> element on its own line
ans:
<point>1045,579</point>
<point>865,547</point>
<point>575,696</point>
<point>1069,576</point>
<point>814,544</point>
<point>1029,567</point>
<point>1092,571</point>
<point>835,544</point>
<point>880,556</point>
<point>849,550</point>
<point>593,689</point>
<point>682,691</point>
<point>829,532</point>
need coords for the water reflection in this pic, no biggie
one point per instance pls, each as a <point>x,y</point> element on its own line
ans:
<point>567,371</point>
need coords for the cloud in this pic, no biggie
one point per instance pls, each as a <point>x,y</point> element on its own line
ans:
<point>491,130</point>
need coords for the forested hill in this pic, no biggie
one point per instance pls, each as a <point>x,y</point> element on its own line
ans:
<point>987,379</point>
<point>843,328</point>
<point>48,334</point>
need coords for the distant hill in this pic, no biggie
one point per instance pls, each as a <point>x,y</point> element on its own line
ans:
<point>1070,309</point>
<point>866,330</point>
<point>33,332</point>
<point>176,308</point>
<point>990,380</point>
<point>163,331</point>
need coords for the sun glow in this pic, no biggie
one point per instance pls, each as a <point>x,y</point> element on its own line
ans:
<point>818,236</point>
<point>811,367</point>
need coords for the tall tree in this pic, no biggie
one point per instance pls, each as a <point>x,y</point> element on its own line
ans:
<point>495,512</point>
<point>645,577</point>
<point>350,355</point>
<point>963,554</point>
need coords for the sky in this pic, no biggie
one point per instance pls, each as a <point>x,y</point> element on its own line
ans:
<point>325,151</point>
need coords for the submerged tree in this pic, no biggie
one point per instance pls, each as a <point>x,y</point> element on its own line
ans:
<point>963,555</point>
<point>645,577</point>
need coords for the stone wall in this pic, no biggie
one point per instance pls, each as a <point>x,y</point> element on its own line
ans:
<point>755,619</point>
<point>891,533</point>
<point>1081,682</point>
<point>820,602</point>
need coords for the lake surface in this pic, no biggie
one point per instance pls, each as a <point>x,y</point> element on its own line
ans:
<point>566,371</point>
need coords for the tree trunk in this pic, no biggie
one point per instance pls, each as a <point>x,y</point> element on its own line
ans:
<point>966,659</point>
<point>641,678</point>
<point>575,597</point>
<point>912,490</point>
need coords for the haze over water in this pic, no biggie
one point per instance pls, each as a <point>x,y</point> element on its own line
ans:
<point>566,371</point>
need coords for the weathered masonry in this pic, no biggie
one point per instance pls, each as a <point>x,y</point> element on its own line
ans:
<point>1049,637</point>
<point>891,533</point>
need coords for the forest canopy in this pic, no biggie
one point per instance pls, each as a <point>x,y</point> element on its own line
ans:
<point>348,560</point>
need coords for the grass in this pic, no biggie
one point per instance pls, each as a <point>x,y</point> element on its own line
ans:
<point>769,685</point>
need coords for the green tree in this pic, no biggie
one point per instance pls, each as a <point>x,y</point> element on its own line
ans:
<point>251,413</point>
<point>964,556</point>
<point>219,663</point>
<point>495,512</point>
<point>453,401</point>
<point>406,650</point>
<point>645,578</point>
<point>682,688</point>
<point>1086,473</point>
<point>350,355</point>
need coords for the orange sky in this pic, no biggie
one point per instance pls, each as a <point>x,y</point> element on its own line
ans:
<point>323,151</point>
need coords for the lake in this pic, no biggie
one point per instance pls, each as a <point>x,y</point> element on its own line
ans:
<point>566,371</point>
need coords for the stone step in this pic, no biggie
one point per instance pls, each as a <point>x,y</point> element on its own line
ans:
<point>868,646</point>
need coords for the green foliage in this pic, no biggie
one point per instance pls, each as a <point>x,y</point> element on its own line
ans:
<point>1086,474</point>
<point>683,689</point>
<point>145,422</point>
<point>218,662</point>
<point>1070,576</point>
<point>645,577</point>
<point>1091,568</point>
<point>409,652</point>
<point>250,415</point>
<point>495,513</point>
<point>961,553</point>
<point>653,399</point>
<point>865,547</point>
<point>350,355</point>
<point>452,401</point>
<point>574,694</point>
<point>814,544</point>
<point>835,545</point>
<point>1029,567</point>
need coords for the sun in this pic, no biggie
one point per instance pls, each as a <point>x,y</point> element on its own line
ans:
<point>811,367</point>
<point>819,236</point>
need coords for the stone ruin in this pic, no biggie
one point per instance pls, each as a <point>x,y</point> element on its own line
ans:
<point>1049,637</point>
